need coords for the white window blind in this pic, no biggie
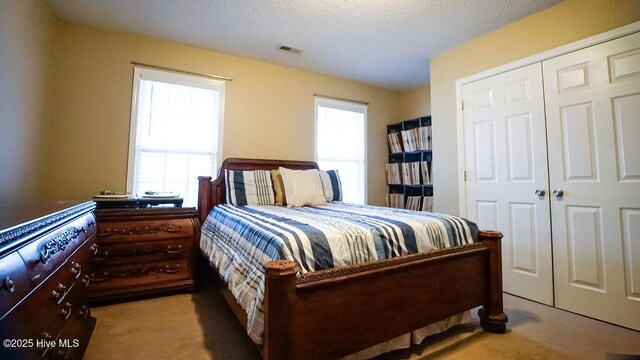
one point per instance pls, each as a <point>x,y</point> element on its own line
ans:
<point>341,145</point>
<point>175,132</point>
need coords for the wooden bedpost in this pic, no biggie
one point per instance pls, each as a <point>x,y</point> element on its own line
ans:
<point>492,316</point>
<point>279,303</point>
<point>204,197</point>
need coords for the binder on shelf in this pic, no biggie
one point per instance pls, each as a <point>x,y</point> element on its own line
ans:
<point>395,201</point>
<point>425,170</point>
<point>413,203</point>
<point>425,133</point>
<point>395,145</point>
<point>427,203</point>
<point>394,138</point>
<point>394,174</point>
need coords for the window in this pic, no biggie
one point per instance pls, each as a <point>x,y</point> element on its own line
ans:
<point>340,144</point>
<point>176,132</point>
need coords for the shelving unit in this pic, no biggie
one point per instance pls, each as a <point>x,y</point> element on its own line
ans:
<point>409,170</point>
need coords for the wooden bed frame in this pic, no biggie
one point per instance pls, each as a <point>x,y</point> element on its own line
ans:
<point>332,313</point>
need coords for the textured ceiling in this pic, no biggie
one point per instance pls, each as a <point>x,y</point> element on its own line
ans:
<point>387,43</point>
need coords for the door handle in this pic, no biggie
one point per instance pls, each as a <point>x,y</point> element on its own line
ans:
<point>540,192</point>
<point>558,193</point>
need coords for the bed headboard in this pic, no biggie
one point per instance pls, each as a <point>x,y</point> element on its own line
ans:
<point>212,192</point>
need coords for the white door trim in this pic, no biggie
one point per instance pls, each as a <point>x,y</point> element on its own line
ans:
<point>581,44</point>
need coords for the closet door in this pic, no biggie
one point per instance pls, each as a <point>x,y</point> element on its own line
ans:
<point>592,101</point>
<point>506,175</point>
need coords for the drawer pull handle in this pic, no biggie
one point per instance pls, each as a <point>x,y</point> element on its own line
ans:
<point>104,256</point>
<point>8,285</point>
<point>174,250</point>
<point>76,270</point>
<point>84,312</point>
<point>45,336</point>
<point>86,280</point>
<point>170,270</point>
<point>58,293</point>
<point>45,255</point>
<point>61,353</point>
<point>66,310</point>
<point>95,278</point>
<point>94,249</point>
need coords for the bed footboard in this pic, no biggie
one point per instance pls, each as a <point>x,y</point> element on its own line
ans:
<point>336,312</point>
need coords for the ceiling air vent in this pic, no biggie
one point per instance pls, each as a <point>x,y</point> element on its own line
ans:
<point>290,49</point>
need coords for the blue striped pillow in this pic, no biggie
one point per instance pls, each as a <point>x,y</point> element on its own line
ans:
<point>331,185</point>
<point>249,187</point>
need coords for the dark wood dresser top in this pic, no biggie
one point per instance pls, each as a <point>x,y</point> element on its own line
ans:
<point>22,221</point>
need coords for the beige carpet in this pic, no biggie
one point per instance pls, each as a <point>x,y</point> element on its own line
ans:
<point>201,326</point>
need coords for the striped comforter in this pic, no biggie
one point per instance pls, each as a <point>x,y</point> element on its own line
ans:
<point>238,240</point>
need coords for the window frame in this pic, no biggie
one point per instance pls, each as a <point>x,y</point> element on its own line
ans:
<point>144,73</point>
<point>347,106</point>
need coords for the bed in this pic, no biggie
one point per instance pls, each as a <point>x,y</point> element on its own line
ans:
<point>323,309</point>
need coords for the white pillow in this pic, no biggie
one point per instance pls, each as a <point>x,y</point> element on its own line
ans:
<point>302,187</point>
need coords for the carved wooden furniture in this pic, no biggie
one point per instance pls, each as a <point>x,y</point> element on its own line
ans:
<point>144,251</point>
<point>335,312</point>
<point>45,253</point>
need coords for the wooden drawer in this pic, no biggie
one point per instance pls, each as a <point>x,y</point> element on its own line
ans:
<point>55,301</point>
<point>38,351</point>
<point>63,295</point>
<point>44,255</point>
<point>110,254</point>
<point>14,282</point>
<point>72,277</point>
<point>39,317</point>
<point>151,230</point>
<point>75,336</point>
<point>138,275</point>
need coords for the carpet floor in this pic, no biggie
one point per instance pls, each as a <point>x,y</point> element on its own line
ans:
<point>202,326</point>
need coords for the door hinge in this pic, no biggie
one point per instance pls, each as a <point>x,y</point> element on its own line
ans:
<point>464,175</point>
<point>462,105</point>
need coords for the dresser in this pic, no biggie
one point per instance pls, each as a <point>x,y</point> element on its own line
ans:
<point>45,259</point>
<point>143,251</point>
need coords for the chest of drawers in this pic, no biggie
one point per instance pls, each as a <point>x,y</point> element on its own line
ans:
<point>45,259</point>
<point>144,251</point>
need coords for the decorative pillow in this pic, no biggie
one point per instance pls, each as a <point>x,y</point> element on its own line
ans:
<point>302,187</point>
<point>331,185</point>
<point>278,187</point>
<point>249,187</point>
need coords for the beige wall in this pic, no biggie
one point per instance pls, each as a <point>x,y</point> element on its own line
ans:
<point>269,109</point>
<point>26,31</point>
<point>414,103</point>
<point>564,23</point>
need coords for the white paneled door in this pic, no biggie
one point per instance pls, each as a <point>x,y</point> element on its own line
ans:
<point>592,99</point>
<point>506,175</point>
